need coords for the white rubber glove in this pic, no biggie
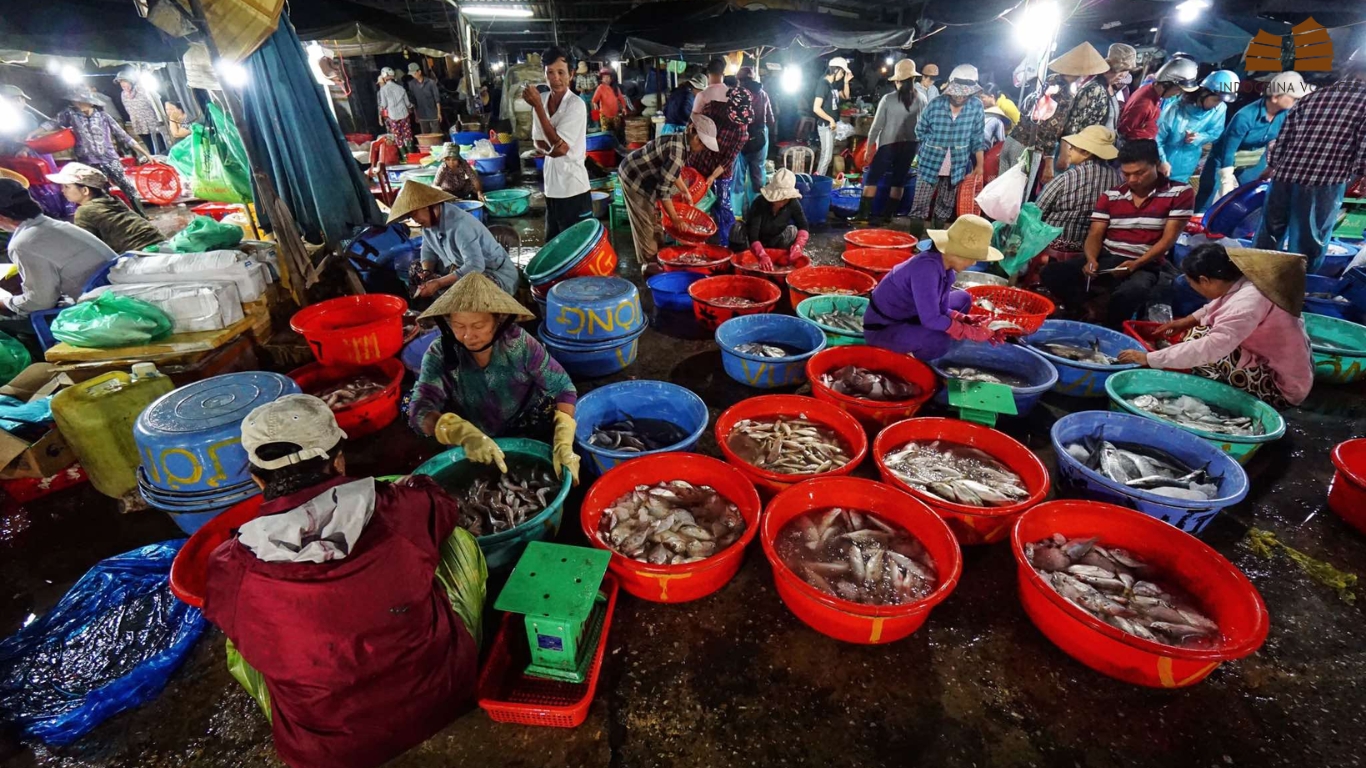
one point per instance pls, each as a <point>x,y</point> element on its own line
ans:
<point>1227,181</point>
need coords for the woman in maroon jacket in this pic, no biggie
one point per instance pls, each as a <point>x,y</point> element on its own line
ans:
<point>351,606</point>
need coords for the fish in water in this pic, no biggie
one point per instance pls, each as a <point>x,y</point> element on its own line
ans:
<point>854,381</point>
<point>636,435</point>
<point>671,523</point>
<point>841,320</point>
<point>958,474</point>
<point>492,503</point>
<point>968,373</point>
<point>1145,469</point>
<point>342,394</point>
<point>760,349</point>
<point>733,302</point>
<point>788,446</point>
<point>1192,412</point>
<point>856,556</point>
<point>1082,354</point>
<point>1121,590</point>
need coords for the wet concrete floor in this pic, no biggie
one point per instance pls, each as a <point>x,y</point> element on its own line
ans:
<point>735,679</point>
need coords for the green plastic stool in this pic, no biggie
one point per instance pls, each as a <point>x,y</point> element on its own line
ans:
<point>616,216</point>
<point>556,589</point>
<point>981,401</point>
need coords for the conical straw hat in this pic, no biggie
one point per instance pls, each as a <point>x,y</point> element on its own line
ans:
<point>476,293</point>
<point>1279,276</point>
<point>413,196</point>
<point>1081,61</point>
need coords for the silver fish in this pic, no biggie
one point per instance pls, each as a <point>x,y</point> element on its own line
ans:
<point>958,474</point>
<point>856,556</point>
<point>759,349</point>
<point>840,320</point>
<point>1004,325</point>
<point>1086,354</point>
<point>860,382</point>
<point>635,435</point>
<point>692,259</point>
<point>1145,469</point>
<point>1121,590</point>
<point>968,373</point>
<point>1188,411</point>
<point>826,291</point>
<point>341,394</point>
<point>492,503</point>
<point>733,302</point>
<point>788,446</point>
<point>671,523</point>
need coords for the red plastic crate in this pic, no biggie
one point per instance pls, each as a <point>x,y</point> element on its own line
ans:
<point>510,696</point>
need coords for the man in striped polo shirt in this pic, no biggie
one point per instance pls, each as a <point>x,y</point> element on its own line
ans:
<point>1132,230</point>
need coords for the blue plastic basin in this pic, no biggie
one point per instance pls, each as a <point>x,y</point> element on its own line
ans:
<point>473,208</point>
<point>1329,307</point>
<point>1076,378</point>
<point>594,360</point>
<point>637,400</point>
<point>670,290</point>
<point>1006,358</point>
<point>768,372</point>
<point>492,182</point>
<point>1336,256</point>
<point>593,309</point>
<point>467,137</point>
<point>412,352</point>
<point>598,141</point>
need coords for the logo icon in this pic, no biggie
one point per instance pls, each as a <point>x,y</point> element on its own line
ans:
<point>1310,50</point>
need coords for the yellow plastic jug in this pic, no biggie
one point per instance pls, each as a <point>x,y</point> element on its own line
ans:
<point>96,418</point>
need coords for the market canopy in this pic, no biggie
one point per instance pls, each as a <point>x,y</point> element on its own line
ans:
<point>98,29</point>
<point>350,29</point>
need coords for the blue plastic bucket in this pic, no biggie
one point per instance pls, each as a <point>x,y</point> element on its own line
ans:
<point>593,309</point>
<point>883,197</point>
<point>492,182</point>
<point>1321,306</point>
<point>595,360</point>
<point>670,290</point>
<point>473,208</point>
<point>487,164</point>
<point>467,137</point>
<point>816,191</point>
<point>598,141</point>
<point>502,550</point>
<point>509,152</point>
<point>190,522</point>
<point>845,201</point>
<point>1076,481</point>
<point>1337,255</point>
<point>637,400</point>
<point>412,352</point>
<point>1075,378</point>
<point>1013,359</point>
<point>768,372</point>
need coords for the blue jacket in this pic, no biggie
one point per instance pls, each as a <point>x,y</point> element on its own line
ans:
<point>678,107</point>
<point>939,133</point>
<point>1177,118</point>
<point>1248,130</point>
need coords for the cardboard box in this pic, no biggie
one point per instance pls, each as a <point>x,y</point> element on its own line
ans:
<point>49,454</point>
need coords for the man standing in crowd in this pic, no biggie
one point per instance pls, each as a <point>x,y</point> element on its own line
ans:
<point>426,100</point>
<point>558,131</point>
<point>1138,119</point>
<point>765,125</point>
<point>716,88</point>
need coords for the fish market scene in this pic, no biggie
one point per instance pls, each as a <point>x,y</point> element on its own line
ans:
<point>643,384</point>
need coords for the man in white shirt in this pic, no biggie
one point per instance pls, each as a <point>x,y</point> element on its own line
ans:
<point>55,259</point>
<point>558,132</point>
<point>716,89</point>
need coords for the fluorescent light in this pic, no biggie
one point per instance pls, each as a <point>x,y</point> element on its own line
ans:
<point>1037,24</point>
<point>1152,29</point>
<point>149,82</point>
<point>11,117</point>
<point>890,61</point>
<point>232,74</point>
<point>70,75</point>
<point>1190,10</point>
<point>497,11</point>
<point>791,79</point>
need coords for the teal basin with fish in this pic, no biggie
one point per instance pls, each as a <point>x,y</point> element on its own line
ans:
<point>1339,348</point>
<point>1126,385</point>
<point>834,337</point>
<point>502,550</point>
<point>1075,377</point>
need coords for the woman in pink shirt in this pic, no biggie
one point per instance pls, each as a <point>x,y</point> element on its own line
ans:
<point>1250,335</point>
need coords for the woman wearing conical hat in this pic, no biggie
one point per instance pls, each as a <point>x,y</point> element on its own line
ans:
<point>454,243</point>
<point>1250,334</point>
<point>485,377</point>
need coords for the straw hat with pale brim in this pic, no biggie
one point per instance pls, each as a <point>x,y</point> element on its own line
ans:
<point>1081,61</point>
<point>476,293</point>
<point>582,68</point>
<point>905,70</point>
<point>931,70</point>
<point>1279,276</point>
<point>1121,57</point>
<point>413,196</point>
<point>783,186</point>
<point>968,238</point>
<point>6,173</point>
<point>1096,139</point>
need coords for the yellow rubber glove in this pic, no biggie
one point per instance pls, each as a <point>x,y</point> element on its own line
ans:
<point>479,447</point>
<point>563,449</point>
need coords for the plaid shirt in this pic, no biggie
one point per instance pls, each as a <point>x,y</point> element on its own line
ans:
<point>941,134</point>
<point>653,168</point>
<point>1069,199</point>
<point>1323,141</point>
<point>730,138</point>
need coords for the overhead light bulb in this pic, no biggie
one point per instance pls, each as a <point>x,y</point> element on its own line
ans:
<point>1037,24</point>
<point>890,61</point>
<point>1190,10</point>
<point>11,116</point>
<point>149,82</point>
<point>791,79</point>
<point>70,75</point>
<point>496,11</point>
<point>233,74</point>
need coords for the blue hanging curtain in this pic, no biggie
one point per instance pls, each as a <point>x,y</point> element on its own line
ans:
<point>294,133</point>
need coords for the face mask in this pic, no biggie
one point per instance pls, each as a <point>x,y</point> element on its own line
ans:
<point>1123,80</point>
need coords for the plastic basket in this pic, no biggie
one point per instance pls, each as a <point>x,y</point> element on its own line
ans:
<point>157,183</point>
<point>1023,308</point>
<point>696,227</point>
<point>697,185</point>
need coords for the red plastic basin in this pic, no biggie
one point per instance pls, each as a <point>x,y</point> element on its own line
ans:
<point>1347,494</point>
<point>1142,332</point>
<point>841,619</point>
<point>607,158</point>
<point>190,568</point>
<point>880,238</point>
<point>1223,591</point>
<point>793,406</point>
<point>697,186</point>
<point>697,227</point>
<point>353,330</point>
<point>718,259</point>
<point>56,141</point>
<point>746,263</point>
<point>972,525</point>
<point>600,261</point>
<point>705,293</point>
<point>366,415</point>
<point>806,282</point>
<point>673,583</point>
<point>873,414</point>
<point>875,261</point>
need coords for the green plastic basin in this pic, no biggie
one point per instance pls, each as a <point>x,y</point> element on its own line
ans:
<point>563,251</point>
<point>1339,348</point>
<point>834,337</point>
<point>504,203</point>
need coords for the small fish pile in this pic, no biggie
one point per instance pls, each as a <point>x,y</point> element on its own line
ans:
<point>1188,411</point>
<point>733,302</point>
<point>958,474</point>
<point>493,503</point>
<point>1088,354</point>
<point>691,259</point>
<point>1328,296</point>
<point>760,349</point>
<point>635,435</point>
<point>788,446</point>
<point>968,373</point>
<point>854,381</point>
<point>855,556</point>
<point>1120,590</point>
<point>833,292</point>
<point>342,394</point>
<point>839,319</point>
<point>671,523</point>
<point>1145,469</point>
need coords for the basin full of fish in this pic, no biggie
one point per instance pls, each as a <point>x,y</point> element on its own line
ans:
<point>692,259</point>
<point>343,394</point>
<point>1145,469</point>
<point>788,446</point>
<point>1121,590</point>
<point>764,349</point>
<point>671,523</point>
<point>733,302</point>
<point>636,435</point>
<point>831,291</point>
<point>854,381</point>
<point>492,502</point>
<point>1194,413</point>
<point>1089,353</point>
<point>969,373</point>
<point>840,320</point>
<point>958,474</point>
<point>856,556</point>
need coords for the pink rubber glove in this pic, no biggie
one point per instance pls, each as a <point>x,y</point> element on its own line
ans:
<point>965,319</point>
<point>765,261</point>
<point>960,331</point>
<point>795,257</point>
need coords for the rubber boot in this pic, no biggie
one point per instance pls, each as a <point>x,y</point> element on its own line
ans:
<point>917,228</point>
<point>865,210</point>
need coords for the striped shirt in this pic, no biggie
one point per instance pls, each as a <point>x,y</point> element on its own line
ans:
<point>1132,229</point>
<point>1069,200</point>
<point>1323,140</point>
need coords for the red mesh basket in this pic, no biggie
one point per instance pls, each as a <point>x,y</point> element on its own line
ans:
<point>1023,308</point>
<point>508,695</point>
<point>157,183</point>
<point>697,185</point>
<point>697,225</point>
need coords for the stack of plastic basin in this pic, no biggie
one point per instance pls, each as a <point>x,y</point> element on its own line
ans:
<point>583,250</point>
<point>190,443</point>
<point>593,325</point>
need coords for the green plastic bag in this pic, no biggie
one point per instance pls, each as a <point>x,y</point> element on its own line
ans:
<point>1023,241</point>
<point>203,234</point>
<point>111,320</point>
<point>221,170</point>
<point>13,358</point>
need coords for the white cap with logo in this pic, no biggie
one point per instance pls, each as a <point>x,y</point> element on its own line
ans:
<point>303,420</point>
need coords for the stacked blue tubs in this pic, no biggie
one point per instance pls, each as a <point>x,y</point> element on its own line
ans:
<point>190,440</point>
<point>593,325</point>
<point>816,192</point>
